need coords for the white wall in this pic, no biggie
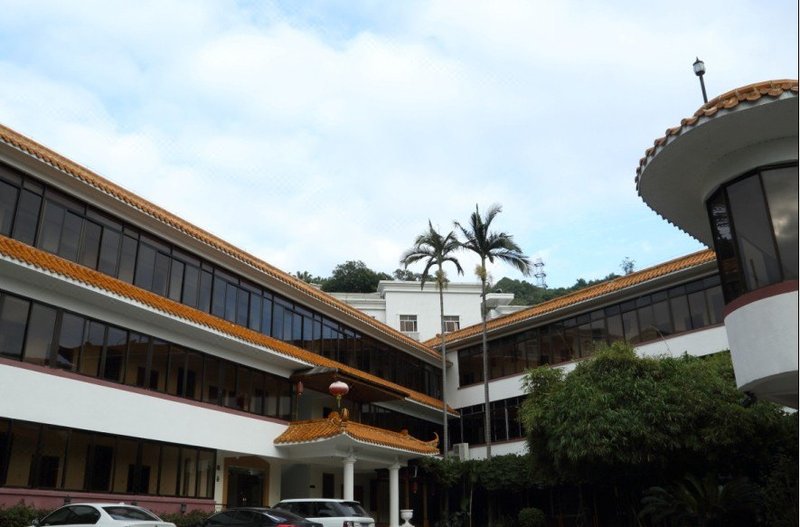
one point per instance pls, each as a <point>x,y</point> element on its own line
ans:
<point>763,337</point>
<point>32,395</point>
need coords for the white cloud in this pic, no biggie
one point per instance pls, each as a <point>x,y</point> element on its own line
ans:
<point>327,134</point>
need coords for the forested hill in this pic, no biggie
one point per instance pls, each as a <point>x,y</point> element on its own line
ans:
<point>527,294</point>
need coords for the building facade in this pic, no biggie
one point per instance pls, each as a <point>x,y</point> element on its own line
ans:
<point>667,310</point>
<point>141,357</point>
<point>728,177</point>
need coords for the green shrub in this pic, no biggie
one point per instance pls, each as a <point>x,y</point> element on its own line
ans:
<point>190,519</point>
<point>531,517</point>
<point>20,515</point>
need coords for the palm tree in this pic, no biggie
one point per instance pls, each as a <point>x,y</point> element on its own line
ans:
<point>435,250</point>
<point>490,245</point>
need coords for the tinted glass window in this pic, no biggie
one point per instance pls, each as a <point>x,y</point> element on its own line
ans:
<point>129,513</point>
<point>13,317</point>
<point>782,197</point>
<point>40,334</point>
<point>8,204</point>
<point>27,217</point>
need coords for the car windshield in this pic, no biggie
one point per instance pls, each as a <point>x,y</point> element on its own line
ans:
<point>353,508</point>
<point>119,512</point>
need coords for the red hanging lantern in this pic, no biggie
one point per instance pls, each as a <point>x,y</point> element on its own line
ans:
<point>338,389</point>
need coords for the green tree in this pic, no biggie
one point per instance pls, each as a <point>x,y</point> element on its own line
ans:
<point>435,250</point>
<point>628,422</point>
<point>353,276</point>
<point>308,278</point>
<point>406,275</point>
<point>489,245</point>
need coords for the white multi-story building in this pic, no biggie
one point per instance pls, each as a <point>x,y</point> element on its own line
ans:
<point>414,310</point>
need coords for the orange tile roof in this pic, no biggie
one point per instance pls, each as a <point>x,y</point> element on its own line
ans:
<point>74,170</point>
<point>322,429</point>
<point>590,293</point>
<point>32,256</point>
<point>725,102</point>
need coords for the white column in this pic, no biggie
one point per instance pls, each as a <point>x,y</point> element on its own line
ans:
<point>394,495</point>
<point>347,480</point>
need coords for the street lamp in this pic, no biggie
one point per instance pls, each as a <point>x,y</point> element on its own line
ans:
<point>700,70</point>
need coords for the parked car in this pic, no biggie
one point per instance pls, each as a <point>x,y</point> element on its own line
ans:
<point>257,517</point>
<point>102,515</point>
<point>329,512</point>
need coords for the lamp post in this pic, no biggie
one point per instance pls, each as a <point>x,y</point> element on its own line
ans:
<point>700,70</point>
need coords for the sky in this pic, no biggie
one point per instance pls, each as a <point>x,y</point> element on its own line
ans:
<point>311,133</point>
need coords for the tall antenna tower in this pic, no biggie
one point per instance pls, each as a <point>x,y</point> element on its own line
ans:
<point>540,275</point>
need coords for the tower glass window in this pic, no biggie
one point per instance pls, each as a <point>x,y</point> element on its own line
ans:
<point>754,226</point>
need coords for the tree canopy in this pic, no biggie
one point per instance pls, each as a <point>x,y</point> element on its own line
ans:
<point>354,276</point>
<point>618,415</point>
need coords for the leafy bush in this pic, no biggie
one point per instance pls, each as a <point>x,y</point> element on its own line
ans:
<point>531,517</point>
<point>20,515</point>
<point>190,519</point>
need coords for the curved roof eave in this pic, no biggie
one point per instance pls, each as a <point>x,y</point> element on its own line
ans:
<point>751,126</point>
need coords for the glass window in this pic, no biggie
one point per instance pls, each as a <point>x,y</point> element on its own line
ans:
<point>780,186</point>
<point>753,233</point>
<point>70,236</point>
<point>408,323</point>
<point>715,303</point>
<point>27,219</point>
<point>146,479</point>
<point>211,384</point>
<point>630,325</point>
<point>8,205</point>
<point>161,274</point>
<point>204,298</point>
<point>145,266</point>
<point>109,252</point>
<point>697,309</point>
<point>614,324</point>
<point>218,300</point>
<point>205,473</point>
<point>90,245</point>
<point>647,324</point>
<point>661,318</point>
<point>168,475</point>
<point>125,462</point>
<point>451,323</point>
<point>13,319</point>
<point>114,357</point>
<point>188,466</point>
<point>52,223</point>
<point>176,280</point>
<point>69,342</point>
<point>177,370</point>
<point>193,388</point>
<point>92,349</point>
<point>191,285</point>
<point>159,366</point>
<point>24,438</point>
<point>100,463</point>
<point>39,339</point>
<point>229,384</point>
<point>76,467</point>
<point>50,464</point>
<point>138,356</point>
<point>127,258</point>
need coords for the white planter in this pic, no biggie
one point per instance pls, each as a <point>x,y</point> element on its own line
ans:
<point>405,515</point>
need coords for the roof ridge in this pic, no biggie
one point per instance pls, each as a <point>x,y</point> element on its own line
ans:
<point>588,293</point>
